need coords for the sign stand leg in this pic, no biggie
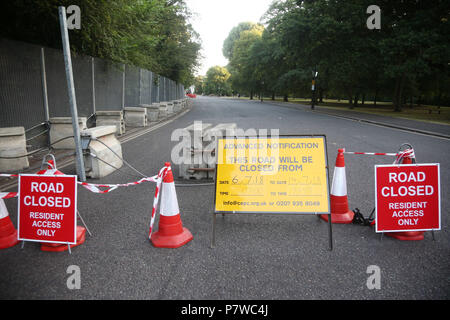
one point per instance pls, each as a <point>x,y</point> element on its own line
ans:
<point>23,245</point>
<point>68,246</point>
<point>81,218</point>
<point>330,233</point>
<point>213,235</point>
<point>432,234</point>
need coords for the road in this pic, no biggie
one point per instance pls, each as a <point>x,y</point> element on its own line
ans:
<point>256,257</point>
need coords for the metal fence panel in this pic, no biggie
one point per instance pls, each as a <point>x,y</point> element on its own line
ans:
<point>100,85</point>
<point>145,87</point>
<point>131,86</point>
<point>58,99</point>
<point>108,85</point>
<point>21,99</point>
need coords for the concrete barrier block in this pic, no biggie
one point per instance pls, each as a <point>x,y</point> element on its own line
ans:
<point>163,110</point>
<point>13,144</point>
<point>135,116</point>
<point>152,111</point>
<point>107,118</point>
<point>105,146</point>
<point>210,137</point>
<point>194,151</point>
<point>169,107</point>
<point>177,106</point>
<point>61,127</point>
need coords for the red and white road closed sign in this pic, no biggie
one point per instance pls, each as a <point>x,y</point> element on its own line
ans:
<point>47,210</point>
<point>407,197</point>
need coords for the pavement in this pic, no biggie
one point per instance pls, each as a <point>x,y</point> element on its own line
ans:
<point>256,256</point>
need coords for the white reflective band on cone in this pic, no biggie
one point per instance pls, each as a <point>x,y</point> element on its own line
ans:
<point>169,202</point>
<point>3,211</point>
<point>339,185</point>
<point>49,172</point>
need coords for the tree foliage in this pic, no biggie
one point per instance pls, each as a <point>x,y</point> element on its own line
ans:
<point>216,81</point>
<point>407,57</point>
<point>152,34</point>
<point>237,48</point>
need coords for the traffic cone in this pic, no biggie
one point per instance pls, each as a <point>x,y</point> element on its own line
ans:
<point>171,233</point>
<point>340,212</point>
<point>81,231</point>
<point>8,234</point>
<point>59,247</point>
<point>407,235</point>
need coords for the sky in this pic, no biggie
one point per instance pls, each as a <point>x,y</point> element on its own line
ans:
<point>214,19</point>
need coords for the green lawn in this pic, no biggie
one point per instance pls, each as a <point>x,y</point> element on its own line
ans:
<point>426,113</point>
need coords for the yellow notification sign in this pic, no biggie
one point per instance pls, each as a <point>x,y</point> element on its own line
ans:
<point>286,174</point>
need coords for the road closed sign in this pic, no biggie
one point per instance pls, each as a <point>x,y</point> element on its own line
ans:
<point>47,208</point>
<point>407,197</point>
<point>286,174</point>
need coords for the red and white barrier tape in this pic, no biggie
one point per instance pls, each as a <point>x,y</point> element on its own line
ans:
<point>160,178</point>
<point>7,195</point>
<point>372,153</point>
<point>408,153</point>
<point>109,187</point>
<point>399,156</point>
<point>90,186</point>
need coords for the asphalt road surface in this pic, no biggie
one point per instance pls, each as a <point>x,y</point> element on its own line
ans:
<point>256,256</point>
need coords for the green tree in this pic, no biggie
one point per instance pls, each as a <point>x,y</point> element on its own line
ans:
<point>235,34</point>
<point>152,34</point>
<point>216,81</point>
<point>407,57</point>
<point>199,84</point>
<point>415,44</point>
<point>244,78</point>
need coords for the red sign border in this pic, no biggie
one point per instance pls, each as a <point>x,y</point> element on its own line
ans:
<point>75,207</point>
<point>408,165</point>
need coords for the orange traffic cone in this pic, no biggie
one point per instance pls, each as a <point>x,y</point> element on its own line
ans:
<point>81,231</point>
<point>59,247</point>
<point>171,233</point>
<point>407,235</point>
<point>8,234</point>
<point>340,213</point>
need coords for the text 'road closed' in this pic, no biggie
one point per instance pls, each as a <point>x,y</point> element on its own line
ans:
<point>407,197</point>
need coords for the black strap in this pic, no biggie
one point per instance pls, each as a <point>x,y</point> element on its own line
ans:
<point>359,218</point>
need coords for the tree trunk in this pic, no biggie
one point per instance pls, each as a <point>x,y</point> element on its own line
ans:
<point>251,95</point>
<point>355,101</point>
<point>285,98</point>
<point>273,95</point>
<point>350,97</point>
<point>376,97</point>
<point>399,84</point>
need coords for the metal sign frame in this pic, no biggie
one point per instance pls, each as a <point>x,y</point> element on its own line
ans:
<point>437,165</point>
<point>213,233</point>
<point>20,236</point>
